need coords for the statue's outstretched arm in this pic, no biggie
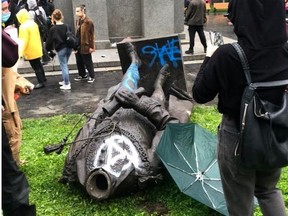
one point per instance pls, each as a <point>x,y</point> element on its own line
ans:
<point>146,106</point>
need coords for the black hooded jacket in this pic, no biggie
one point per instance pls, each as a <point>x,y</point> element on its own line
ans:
<point>260,28</point>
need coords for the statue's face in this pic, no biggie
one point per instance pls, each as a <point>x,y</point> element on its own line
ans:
<point>109,163</point>
<point>116,155</point>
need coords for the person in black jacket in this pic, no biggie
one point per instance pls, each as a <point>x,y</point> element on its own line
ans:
<point>48,8</point>
<point>262,36</point>
<point>57,39</point>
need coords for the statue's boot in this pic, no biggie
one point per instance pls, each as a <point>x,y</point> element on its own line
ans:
<point>164,73</point>
<point>130,48</point>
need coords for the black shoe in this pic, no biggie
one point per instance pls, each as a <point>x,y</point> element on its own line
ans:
<point>45,63</point>
<point>79,78</point>
<point>39,85</point>
<point>189,51</point>
<point>24,209</point>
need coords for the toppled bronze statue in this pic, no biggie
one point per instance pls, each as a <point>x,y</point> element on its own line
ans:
<point>115,151</point>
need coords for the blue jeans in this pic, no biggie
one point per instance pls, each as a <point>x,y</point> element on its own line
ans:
<point>63,57</point>
<point>241,185</point>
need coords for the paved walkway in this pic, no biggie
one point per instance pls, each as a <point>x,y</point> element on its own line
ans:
<point>83,97</point>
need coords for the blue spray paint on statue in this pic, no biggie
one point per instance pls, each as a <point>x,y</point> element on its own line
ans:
<point>129,82</point>
<point>131,78</point>
<point>170,50</point>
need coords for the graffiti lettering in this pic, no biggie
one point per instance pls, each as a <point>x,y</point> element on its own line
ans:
<point>170,50</point>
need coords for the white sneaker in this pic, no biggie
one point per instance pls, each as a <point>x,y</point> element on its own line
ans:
<point>90,80</point>
<point>66,87</point>
<point>61,83</point>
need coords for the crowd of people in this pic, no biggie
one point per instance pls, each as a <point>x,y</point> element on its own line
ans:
<point>42,29</point>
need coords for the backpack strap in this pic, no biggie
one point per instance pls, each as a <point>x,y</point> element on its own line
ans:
<point>246,69</point>
<point>244,61</point>
<point>269,84</point>
<point>67,27</point>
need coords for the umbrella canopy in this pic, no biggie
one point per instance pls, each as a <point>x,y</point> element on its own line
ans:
<point>189,153</point>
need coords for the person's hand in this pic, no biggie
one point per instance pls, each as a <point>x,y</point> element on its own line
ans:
<point>23,85</point>
<point>126,98</point>
<point>216,40</point>
<point>29,88</point>
<point>91,50</point>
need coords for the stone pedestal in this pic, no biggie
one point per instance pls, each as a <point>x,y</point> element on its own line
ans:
<point>124,19</point>
<point>117,19</point>
<point>157,18</point>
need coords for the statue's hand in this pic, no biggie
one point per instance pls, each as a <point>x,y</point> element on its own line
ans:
<point>126,98</point>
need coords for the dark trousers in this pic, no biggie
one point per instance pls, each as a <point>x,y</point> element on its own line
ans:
<point>39,70</point>
<point>15,188</point>
<point>45,57</point>
<point>84,61</point>
<point>192,31</point>
<point>241,185</point>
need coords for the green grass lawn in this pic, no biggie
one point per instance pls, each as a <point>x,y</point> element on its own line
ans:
<point>53,199</point>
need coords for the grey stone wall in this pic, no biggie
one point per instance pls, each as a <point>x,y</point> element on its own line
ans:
<point>117,19</point>
<point>124,18</point>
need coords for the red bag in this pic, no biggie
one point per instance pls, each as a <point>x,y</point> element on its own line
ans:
<point>9,50</point>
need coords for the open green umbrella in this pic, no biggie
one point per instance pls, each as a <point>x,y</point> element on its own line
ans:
<point>189,153</point>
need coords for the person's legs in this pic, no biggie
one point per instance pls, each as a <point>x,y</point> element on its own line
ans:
<point>63,56</point>
<point>80,65</point>
<point>45,58</point>
<point>13,127</point>
<point>200,31</point>
<point>192,31</point>
<point>269,197</point>
<point>15,187</point>
<point>238,183</point>
<point>87,59</point>
<point>39,70</point>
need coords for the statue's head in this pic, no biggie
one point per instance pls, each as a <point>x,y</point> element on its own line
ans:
<point>111,160</point>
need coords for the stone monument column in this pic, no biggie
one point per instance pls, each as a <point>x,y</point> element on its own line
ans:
<point>179,18</point>
<point>157,18</point>
<point>67,10</point>
<point>116,19</point>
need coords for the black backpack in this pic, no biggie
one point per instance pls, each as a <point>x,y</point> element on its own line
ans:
<point>263,140</point>
<point>71,39</point>
<point>41,22</point>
